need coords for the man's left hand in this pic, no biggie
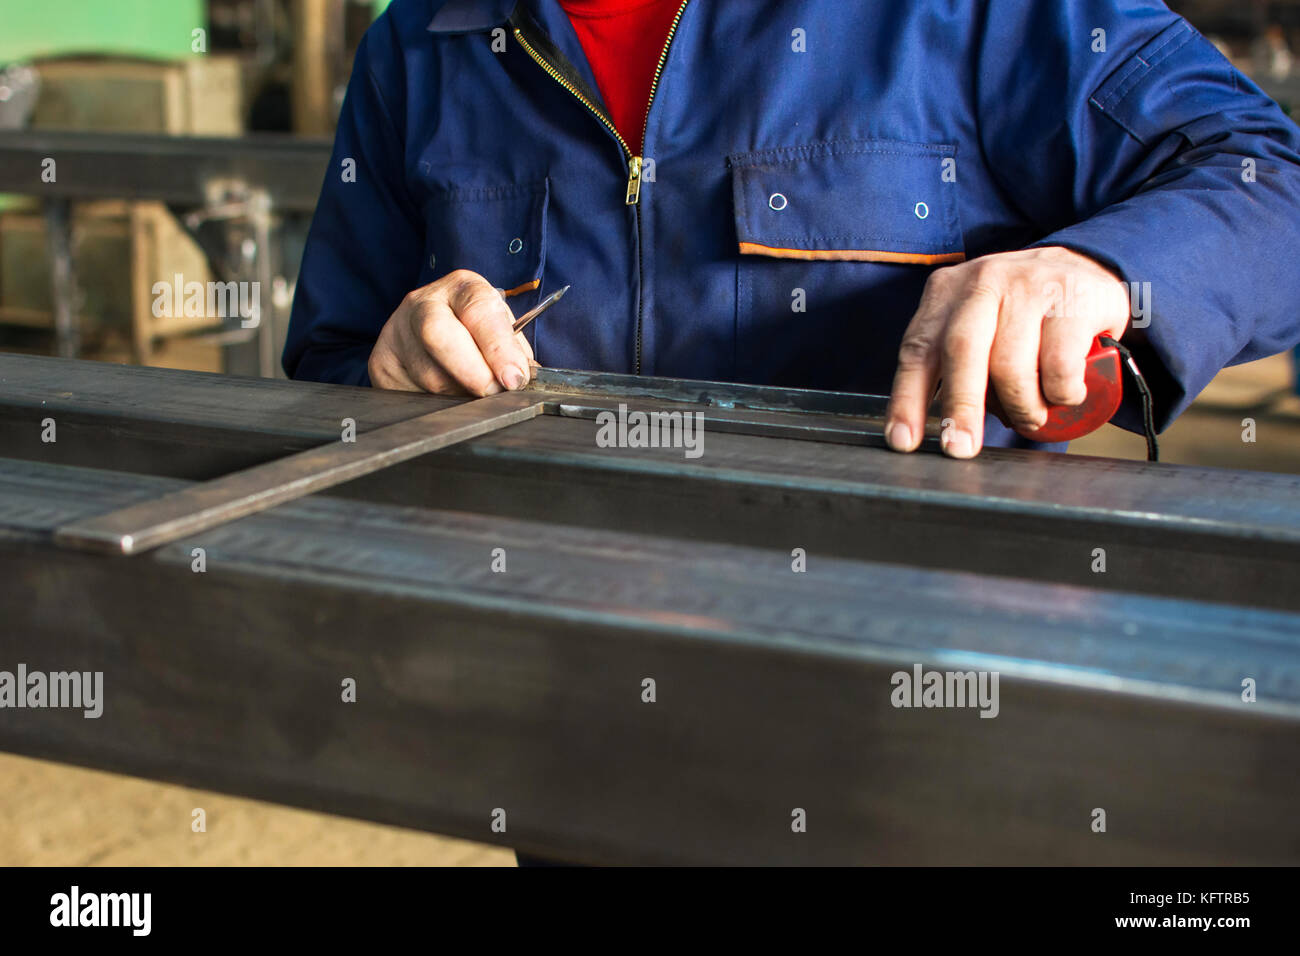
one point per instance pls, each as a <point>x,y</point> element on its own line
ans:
<point>1021,323</point>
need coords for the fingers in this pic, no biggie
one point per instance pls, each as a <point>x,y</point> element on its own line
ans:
<point>1068,333</point>
<point>964,363</point>
<point>527,347</point>
<point>1013,363</point>
<point>918,368</point>
<point>386,371</point>
<point>950,337</point>
<point>1063,359</point>
<point>481,310</point>
<point>1018,323</point>
<point>445,347</point>
<point>451,337</point>
<point>420,337</point>
<point>914,385</point>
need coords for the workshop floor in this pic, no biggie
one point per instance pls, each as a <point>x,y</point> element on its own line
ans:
<point>56,815</point>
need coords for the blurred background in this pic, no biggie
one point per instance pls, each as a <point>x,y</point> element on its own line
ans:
<point>117,93</point>
<point>191,139</point>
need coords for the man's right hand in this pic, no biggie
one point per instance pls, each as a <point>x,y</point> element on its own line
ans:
<point>452,337</point>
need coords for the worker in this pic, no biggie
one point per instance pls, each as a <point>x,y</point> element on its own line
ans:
<point>939,194</point>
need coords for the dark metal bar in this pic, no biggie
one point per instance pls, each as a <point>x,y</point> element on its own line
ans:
<point>523,691</point>
<point>1198,533</point>
<point>721,395</point>
<point>841,429</point>
<point>150,524</point>
<point>760,410</point>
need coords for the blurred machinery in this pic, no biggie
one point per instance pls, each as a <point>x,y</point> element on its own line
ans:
<point>1261,37</point>
<point>219,145</point>
<point>18,88</point>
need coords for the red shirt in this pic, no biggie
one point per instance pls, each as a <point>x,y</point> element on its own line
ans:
<point>623,40</point>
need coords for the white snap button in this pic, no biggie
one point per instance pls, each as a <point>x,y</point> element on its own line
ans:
<point>433,262</point>
<point>516,245</point>
<point>777,202</point>
<point>922,211</point>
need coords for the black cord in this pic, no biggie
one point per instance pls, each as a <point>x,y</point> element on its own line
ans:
<point>1148,403</point>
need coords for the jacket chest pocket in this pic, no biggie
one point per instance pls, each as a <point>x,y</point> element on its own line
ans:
<point>498,232</point>
<point>835,241</point>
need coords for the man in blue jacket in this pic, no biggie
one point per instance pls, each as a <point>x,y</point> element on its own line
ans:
<point>951,194</point>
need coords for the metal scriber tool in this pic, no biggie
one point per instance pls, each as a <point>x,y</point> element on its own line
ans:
<point>539,308</point>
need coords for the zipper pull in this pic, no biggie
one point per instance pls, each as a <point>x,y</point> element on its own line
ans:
<point>634,180</point>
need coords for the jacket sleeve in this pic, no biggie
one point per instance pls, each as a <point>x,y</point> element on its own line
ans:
<point>363,249</point>
<point>1120,132</point>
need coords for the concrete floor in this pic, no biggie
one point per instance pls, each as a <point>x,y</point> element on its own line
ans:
<point>56,815</point>
<point>1210,432</point>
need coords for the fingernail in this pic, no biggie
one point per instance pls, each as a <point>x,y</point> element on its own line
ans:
<point>957,442</point>
<point>513,378</point>
<point>898,436</point>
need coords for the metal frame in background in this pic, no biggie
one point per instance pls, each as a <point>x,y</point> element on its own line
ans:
<point>256,177</point>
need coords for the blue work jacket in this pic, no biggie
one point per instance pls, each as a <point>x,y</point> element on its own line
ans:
<point>805,165</point>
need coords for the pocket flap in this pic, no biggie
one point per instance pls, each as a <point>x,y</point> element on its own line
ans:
<point>864,201</point>
<point>498,232</point>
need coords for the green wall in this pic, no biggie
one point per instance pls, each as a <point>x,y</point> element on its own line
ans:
<point>153,28</point>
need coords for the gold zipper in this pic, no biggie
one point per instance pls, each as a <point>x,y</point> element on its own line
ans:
<point>635,163</point>
<point>633,181</point>
<point>555,75</point>
<point>634,169</point>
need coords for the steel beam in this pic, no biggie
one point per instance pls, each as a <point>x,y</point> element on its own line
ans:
<point>523,690</point>
<point>1198,533</point>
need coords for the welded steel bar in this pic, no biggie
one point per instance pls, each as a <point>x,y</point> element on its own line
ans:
<point>150,524</point>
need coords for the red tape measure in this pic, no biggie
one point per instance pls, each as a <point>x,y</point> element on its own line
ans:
<point>1105,382</point>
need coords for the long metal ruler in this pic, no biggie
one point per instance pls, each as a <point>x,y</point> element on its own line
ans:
<point>806,414</point>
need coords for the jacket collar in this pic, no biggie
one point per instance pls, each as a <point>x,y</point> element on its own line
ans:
<point>478,16</point>
<point>471,16</point>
